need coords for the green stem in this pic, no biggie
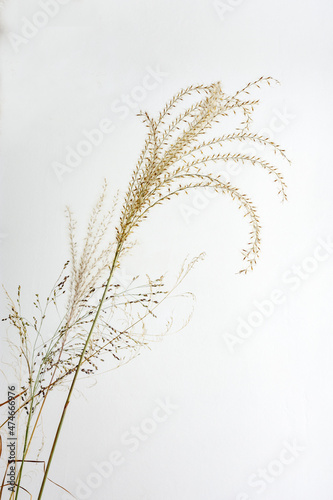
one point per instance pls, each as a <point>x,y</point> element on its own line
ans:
<point>55,441</point>
<point>19,477</point>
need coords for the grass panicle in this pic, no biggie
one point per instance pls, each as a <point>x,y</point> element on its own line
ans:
<point>100,318</point>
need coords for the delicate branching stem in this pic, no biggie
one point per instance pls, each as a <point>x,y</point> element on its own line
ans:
<point>70,392</point>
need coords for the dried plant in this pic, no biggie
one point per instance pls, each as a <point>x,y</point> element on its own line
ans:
<point>102,316</point>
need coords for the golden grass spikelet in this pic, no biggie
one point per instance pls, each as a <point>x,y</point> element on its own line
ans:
<point>177,152</point>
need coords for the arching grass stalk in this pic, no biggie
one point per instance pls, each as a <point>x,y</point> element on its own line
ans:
<point>78,368</point>
<point>178,157</point>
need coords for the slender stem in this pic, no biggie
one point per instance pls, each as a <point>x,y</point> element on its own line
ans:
<point>55,441</point>
<point>19,477</point>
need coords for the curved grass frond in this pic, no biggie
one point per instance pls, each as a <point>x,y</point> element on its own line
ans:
<point>103,317</point>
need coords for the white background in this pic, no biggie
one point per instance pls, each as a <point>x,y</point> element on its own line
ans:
<point>235,409</point>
